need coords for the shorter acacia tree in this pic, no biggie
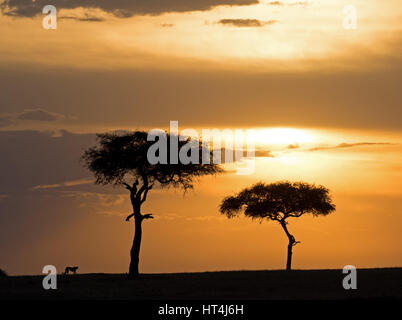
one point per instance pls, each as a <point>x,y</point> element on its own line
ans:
<point>278,202</point>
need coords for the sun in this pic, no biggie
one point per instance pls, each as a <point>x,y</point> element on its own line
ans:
<point>278,136</point>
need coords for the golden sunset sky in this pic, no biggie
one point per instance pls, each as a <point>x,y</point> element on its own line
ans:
<point>325,102</point>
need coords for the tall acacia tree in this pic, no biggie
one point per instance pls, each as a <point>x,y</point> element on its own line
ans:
<point>122,160</point>
<point>278,202</point>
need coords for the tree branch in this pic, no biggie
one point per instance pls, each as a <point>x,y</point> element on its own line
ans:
<point>132,188</point>
<point>128,187</point>
<point>135,184</point>
<point>147,216</point>
<point>143,216</point>
<point>292,239</point>
<point>144,197</point>
<point>130,216</point>
<point>143,187</point>
<point>296,215</point>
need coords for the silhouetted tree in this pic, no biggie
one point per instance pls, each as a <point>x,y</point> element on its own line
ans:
<point>121,159</point>
<point>278,202</point>
<point>2,273</point>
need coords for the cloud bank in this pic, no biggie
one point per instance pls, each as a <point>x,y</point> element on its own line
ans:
<point>350,145</point>
<point>118,8</point>
<point>37,114</point>
<point>242,23</point>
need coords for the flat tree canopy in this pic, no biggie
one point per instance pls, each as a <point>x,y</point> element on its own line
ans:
<point>278,202</point>
<point>120,157</point>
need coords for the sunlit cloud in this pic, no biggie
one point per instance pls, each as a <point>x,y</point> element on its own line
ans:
<point>72,183</point>
<point>351,145</point>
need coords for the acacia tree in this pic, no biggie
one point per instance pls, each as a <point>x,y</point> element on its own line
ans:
<point>278,202</point>
<point>121,160</point>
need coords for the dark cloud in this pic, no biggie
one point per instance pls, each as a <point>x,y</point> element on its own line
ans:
<point>263,154</point>
<point>293,146</point>
<point>119,8</point>
<point>38,115</point>
<point>167,25</point>
<point>275,3</point>
<point>242,23</point>
<point>41,159</point>
<point>29,115</point>
<point>85,18</point>
<point>208,99</point>
<point>4,121</point>
<point>350,145</point>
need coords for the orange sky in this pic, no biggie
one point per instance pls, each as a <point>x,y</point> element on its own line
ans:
<point>299,78</point>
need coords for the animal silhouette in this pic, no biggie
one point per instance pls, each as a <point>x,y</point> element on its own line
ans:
<point>72,269</point>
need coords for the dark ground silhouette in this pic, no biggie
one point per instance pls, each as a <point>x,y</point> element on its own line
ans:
<point>273,285</point>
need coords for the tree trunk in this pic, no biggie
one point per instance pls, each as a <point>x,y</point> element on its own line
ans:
<point>289,259</point>
<point>292,242</point>
<point>137,198</point>
<point>135,249</point>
